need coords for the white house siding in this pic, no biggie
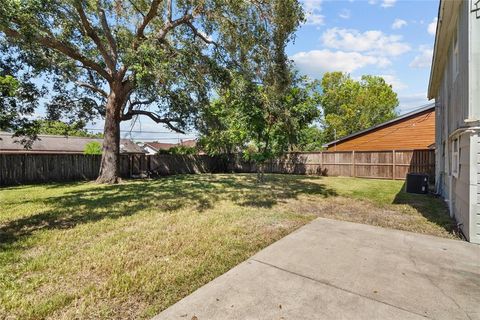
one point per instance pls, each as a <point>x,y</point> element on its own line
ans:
<point>457,110</point>
<point>461,186</point>
<point>474,101</point>
<point>475,190</point>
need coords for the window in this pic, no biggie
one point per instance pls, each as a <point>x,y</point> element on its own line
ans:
<point>455,158</point>
<point>455,62</point>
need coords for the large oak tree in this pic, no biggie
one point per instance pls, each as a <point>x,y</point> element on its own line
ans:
<point>128,58</point>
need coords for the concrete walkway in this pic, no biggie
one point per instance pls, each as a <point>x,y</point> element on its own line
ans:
<point>340,270</point>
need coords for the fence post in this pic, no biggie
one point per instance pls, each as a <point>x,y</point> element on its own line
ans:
<point>353,163</point>
<point>321,163</point>
<point>393,164</point>
<point>130,165</point>
<point>24,168</point>
<point>149,164</point>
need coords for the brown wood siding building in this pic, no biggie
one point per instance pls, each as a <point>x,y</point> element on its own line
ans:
<point>415,130</point>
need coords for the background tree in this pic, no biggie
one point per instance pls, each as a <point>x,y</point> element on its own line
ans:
<point>182,150</point>
<point>310,138</point>
<point>244,119</point>
<point>124,59</point>
<point>18,101</point>
<point>60,128</point>
<point>349,105</point>
<point>93,148</point>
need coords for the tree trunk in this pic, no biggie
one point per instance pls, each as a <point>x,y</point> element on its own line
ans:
<point>110,164</point>
<point>261,172</point>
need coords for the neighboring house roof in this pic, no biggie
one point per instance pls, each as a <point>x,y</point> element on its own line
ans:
<point>188,143</point>
<point>402,117</point>
<point>447,14</point>
<point>165,146</point>
<point>159,145</point>
<point>58,144</point>
<point>128,146</point>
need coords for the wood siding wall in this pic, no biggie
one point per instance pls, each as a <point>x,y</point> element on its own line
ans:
<point>416,132</point>
<point>31,168</point>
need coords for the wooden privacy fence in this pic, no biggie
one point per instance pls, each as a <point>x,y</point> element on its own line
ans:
<point>393,164</point>
<point>28,168</point>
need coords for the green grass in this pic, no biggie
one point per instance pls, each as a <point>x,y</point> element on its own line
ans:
<point>80,250</point>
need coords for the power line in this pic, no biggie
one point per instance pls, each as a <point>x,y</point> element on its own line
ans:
<point>140,131</point>
<point>157,139</point>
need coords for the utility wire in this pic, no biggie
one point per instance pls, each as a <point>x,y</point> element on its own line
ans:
<point>138,131</point>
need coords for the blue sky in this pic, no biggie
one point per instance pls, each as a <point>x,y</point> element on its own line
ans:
<point>393,39</point>
<point>390,38</point>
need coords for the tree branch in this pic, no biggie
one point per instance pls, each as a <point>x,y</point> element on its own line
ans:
<point>152,12</point>
<point>93,88</point>
<point>64,48</point>
<point>199,34</point>
<point>169,25</point>
<point>107,32</point>
<point>155,117</point>
<point>169,10</point>
<point>94,36</point>
<point>141,102</point>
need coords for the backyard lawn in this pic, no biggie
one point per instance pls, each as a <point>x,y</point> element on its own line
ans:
<point>80,250</point>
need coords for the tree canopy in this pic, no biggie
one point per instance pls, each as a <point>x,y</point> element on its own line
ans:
<point>247,119</point>
<point>310,138</point>
<point>93,148</point>
<point>75,129</point>
<point>349,105</point>
<point>18,100</point>
<point>159,58</point>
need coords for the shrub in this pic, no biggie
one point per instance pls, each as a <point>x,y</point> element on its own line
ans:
<point>93,147</point>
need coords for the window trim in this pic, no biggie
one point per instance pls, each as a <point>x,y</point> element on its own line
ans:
<point>455,55</point>
<point>455,157</point>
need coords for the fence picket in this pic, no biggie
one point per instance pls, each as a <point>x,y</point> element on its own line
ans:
<point>29,168</point>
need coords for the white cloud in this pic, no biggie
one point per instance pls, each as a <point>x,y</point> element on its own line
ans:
<point>392,80</point>
<point>316,62</point>
<point>432,27</point>
<point>345,14</point>
<point>313,9</point>
<point>423,59</point>
<point>384,4</point>
<point>372,42</point>
<point>399,23</point>
<point>388,3</point>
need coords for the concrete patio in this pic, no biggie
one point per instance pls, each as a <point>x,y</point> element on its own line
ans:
<point>340,270</point>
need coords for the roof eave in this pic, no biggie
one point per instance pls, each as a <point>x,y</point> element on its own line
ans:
<point>378,126</point>
<point>432,87</point>
<point>447,14</point>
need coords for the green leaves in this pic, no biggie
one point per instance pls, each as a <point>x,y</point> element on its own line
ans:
<point>350,106</point>
<point>8,86</point>
<point>174,57</point>
<point>93,148</point>
<point>75,129</point>
<point>247,119</point>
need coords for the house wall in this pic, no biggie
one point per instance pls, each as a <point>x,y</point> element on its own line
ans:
<point>416,132</point>
<point>456,118</point>
<point>149,150</point>
<point>474,114</point>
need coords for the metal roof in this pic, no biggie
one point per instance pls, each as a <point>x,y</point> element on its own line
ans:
<point>402,117</point>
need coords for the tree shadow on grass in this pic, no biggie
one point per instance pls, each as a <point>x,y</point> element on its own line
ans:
<point>199,192</point>
<point>429,206</point>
